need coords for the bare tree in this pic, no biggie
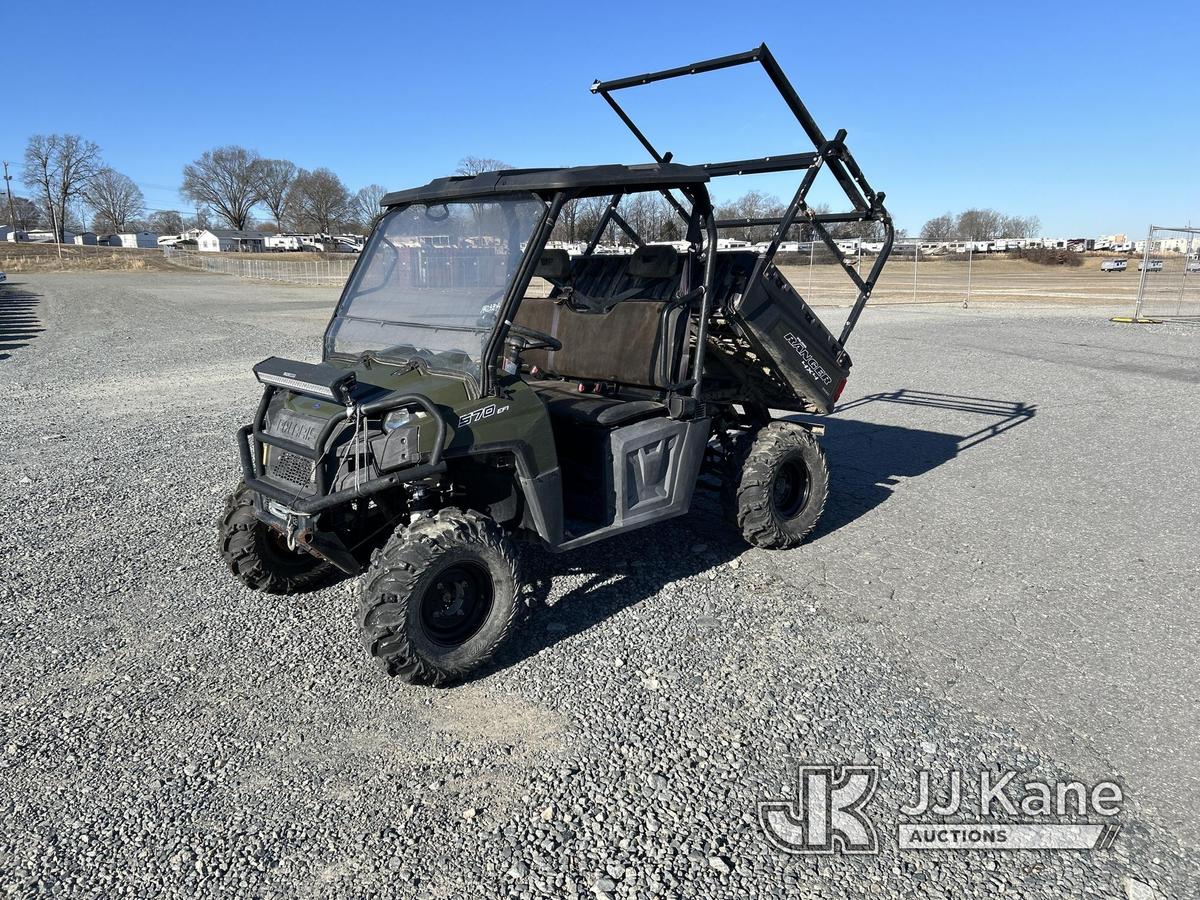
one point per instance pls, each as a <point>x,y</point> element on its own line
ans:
<point>978,224</point>
<point>113,199</point>
<point>587,215</point>
<point>58,166</point>
<point>939,228</point>
<point>751,205</point>
<point>366,205</point>
<point>1021,226</point>
<point>320,201</point>
<point>27,214</point>
<point>225,180</point>
<point>567,226</point>
<point>166,221</point>
<point>640,211</point>
<point>863,231</point>
<point>275,177</point>
<point>202,219</point>
<point>475,165</point>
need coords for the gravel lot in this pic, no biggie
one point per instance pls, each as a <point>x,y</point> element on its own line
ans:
<point>1006,578</point>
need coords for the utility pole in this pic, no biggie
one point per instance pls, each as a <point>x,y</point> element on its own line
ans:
<point>12,216</point>
<point>57,234</point>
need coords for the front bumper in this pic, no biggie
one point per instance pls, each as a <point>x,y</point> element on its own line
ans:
<point>319,497</point>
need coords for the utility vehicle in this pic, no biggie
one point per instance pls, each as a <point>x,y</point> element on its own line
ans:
<point>477,387</point>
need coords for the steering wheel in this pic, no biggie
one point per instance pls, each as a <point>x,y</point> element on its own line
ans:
<point>532,339</point>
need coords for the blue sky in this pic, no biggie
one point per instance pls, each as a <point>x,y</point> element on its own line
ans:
<point>1086,117</point>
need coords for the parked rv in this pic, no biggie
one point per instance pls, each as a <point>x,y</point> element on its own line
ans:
<point>1154,265</point>
<point>1114,265</point>
<point>282,242</point>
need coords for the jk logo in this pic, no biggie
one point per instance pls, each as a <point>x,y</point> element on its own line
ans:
<point>826,814</point>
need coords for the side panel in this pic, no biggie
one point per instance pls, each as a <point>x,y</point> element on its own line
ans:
<point>652,471</point>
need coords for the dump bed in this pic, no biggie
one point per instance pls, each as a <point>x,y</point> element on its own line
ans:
<point>764,338</point>
<point>789,338</point>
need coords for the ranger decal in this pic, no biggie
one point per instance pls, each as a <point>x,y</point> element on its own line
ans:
<point>814,368</point>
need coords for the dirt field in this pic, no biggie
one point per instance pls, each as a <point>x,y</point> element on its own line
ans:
<point>989,278</point>
<point>46,258</point>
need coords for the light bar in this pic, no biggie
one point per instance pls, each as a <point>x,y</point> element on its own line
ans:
<point>320,380</point>
<point>295,384</point>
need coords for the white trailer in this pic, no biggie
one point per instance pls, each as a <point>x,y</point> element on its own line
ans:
<point>282,242</point>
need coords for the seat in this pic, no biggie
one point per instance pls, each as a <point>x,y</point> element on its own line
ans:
<point>631,329</point>
<point>566,403</point>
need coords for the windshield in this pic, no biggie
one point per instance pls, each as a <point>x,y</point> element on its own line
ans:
<point>430,282</point>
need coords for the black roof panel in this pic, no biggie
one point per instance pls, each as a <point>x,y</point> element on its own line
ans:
<point>586,180</point>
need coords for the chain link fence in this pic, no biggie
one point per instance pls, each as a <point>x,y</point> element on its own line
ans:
<point>316,271</point>
<point>915,273</point>
<point>918,272</point>
<point>1169,274</point>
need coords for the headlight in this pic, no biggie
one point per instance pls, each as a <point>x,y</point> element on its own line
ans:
<point>397,418</point>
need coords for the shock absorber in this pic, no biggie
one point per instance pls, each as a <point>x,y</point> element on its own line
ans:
<point>422,500</point>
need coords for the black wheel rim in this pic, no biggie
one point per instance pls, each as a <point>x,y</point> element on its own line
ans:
<point>455,603</point>
<point>790,489</point>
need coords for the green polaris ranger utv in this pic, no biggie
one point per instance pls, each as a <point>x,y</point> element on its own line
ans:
<point>477,387</point>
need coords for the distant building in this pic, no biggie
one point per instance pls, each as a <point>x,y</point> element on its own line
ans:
<point>1184,245</point>
<point>86,238</point>
<point>136,239</point>
<point>229,240</point>
<point>41,236</point>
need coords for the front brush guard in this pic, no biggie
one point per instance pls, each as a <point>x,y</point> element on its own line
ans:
<point>251,439</point>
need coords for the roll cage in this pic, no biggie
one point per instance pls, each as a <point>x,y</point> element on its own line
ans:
<point>559,186</point>
<point>832,152</point>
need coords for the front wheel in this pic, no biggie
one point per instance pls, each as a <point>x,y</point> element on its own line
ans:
<point>776,486</point>
<point>258,555</point>
<point>440,597</point>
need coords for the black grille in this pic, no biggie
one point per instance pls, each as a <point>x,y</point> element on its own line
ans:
<point>290,467</point>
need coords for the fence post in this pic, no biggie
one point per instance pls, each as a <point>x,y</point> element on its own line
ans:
<point>916,253</point>
<point>1137,310</point>
<point>1187,256</point>
<point>970,260</point>
<point>812,251</point>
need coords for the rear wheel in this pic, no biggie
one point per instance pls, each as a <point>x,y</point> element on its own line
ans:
<point>259,556</point>
<point>776,486</point>
<point>440,597</point>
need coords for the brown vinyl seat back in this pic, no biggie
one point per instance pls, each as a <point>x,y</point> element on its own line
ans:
<point>618,319</point>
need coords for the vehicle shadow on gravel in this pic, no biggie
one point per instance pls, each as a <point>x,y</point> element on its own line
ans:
<point>868,459</point>
<point>19,323</point>
<point>616,573</point>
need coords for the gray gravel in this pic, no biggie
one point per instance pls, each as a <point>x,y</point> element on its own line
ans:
<point>167,733</point>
